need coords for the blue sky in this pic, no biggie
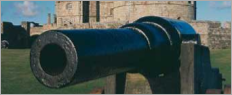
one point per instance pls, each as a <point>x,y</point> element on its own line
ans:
<point>17,11</point>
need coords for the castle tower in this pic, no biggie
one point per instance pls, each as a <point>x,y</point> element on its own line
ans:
<point>93,11</point>
<point>90,10</point>
<point>75,12</point>
<point>106,11</point>
<point>132,10</point>
<point>49,18</point>
<point>54,19</point>
<point>68,12</point>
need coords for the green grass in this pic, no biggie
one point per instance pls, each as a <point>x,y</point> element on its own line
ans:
<point>221,59</point>
<point>16,76</point>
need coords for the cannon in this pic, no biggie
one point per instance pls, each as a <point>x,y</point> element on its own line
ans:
<point>151,45</point>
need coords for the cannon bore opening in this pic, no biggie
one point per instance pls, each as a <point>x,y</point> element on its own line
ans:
<point>53,59</point>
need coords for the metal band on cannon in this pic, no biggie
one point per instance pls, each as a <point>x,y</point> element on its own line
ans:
<point>60,58</point>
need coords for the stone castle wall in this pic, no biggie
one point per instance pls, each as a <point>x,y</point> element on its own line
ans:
<point>113,14</point>
<point>219,38</point>
<point>213,34</point>
<point>132,10</point>
<point>73,12</point>
<point>227,25</point>
<point>106,11</point>
<point>36,31</point>
<point>67,13</point>
<point>39,30</point>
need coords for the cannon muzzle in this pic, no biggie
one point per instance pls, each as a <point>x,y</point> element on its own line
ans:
<point>150,45</point>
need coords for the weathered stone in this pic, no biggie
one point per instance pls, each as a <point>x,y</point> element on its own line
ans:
<point>113,14</point>
<point>213,34</point>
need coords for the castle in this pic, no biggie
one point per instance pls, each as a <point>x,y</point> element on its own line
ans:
<point>113,14</point>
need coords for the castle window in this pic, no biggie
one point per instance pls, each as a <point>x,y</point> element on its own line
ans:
<point>189,2</point>
<point>69,6</point>
<point>85,11</point>
<point>98,11</point>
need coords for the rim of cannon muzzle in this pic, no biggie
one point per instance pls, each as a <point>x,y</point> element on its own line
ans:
<point>49,63</point>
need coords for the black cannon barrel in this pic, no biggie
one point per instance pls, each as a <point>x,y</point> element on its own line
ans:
<point>60,58</point>
<point>179,30</point>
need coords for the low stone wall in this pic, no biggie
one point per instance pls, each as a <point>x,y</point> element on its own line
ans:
<point>214,34</point>
<point>202,28</point>
<point>227,25</point>
<point>39,30</point>
<point>219,38</point>
<point>36,30</point>
<point>96,25</point>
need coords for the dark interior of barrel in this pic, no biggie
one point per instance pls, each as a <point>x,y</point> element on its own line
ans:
<point>53,59</point>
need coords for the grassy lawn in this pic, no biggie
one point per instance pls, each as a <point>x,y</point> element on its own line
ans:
<point>17,76</point>
<point>222,60</point>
